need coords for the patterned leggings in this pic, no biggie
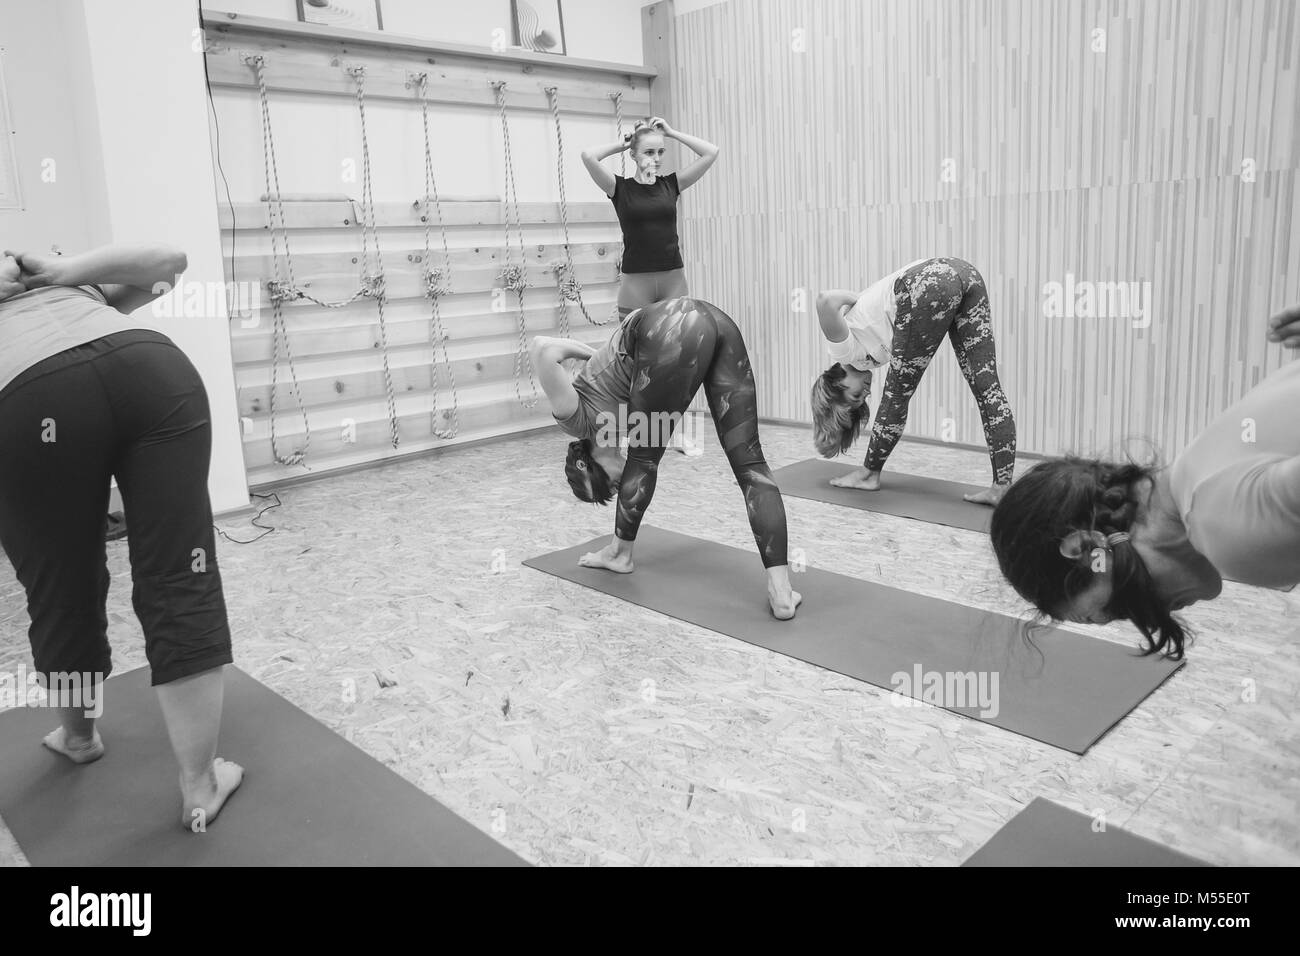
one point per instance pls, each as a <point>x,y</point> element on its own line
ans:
<point>938,297</point>
<point>676,346</point>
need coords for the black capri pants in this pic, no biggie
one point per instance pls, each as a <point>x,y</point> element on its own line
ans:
<point>130,406</point>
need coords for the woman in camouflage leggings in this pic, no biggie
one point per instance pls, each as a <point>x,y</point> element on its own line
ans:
<point>929,299</point>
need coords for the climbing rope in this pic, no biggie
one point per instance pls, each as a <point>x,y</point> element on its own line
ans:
<point>514,277</point>
<point>566,274</point>
<point>280,288</point>
<point>617,97</point>
<point>437,281</point>
<point>373,283</point>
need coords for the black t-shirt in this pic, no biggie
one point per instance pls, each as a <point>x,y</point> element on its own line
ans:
<point>648,217</point>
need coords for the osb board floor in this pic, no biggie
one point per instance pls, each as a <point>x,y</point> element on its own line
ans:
<point>579,729</point>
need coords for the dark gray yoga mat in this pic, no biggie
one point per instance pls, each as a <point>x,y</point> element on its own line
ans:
<point>1048,834</point>
<point>309,797</point>
<point>1067,690</point>
<point>907,496</point>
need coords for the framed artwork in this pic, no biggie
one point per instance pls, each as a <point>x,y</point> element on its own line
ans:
<point>349,14</point>
<point>539,26</point>
<point>10,194</point>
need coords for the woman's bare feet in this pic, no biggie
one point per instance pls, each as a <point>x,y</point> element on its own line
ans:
<point>859,478</point>
<point>611,558</point>
<point>990,496</point>
<point>782,598</point>
<point>203,798</point>
<point>679,442</point>
<point>783,605</point>
<point>83,750</point>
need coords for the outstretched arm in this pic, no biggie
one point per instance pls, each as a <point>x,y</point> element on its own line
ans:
<point>591,158</point>
<point>131,276</point>
<point>831,306</point>
<point>707,152</point>
<point>548,355</point>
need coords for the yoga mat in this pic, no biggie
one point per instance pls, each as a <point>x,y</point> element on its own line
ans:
<point>907,496</point>
<point>1066,690</point>
<point>1048,834</point>
<point>309,798</point>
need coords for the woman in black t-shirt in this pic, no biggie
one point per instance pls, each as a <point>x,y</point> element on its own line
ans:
<point>647,210</point>
<point>647,213</point>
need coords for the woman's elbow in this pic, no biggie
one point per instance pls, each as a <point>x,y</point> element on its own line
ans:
<point>172,261</point>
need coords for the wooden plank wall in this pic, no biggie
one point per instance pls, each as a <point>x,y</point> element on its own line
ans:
<point>338,353</point>
<point>858,135</point>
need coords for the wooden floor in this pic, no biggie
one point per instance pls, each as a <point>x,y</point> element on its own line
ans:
<point>524,703</point>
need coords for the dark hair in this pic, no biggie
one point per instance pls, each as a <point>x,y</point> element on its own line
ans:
<point>588,479</point>
<point>1071,494</point>
<point>836,421</point>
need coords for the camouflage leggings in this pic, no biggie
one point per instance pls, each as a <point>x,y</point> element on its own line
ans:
<point>677,346</point>
<point>938,297</point>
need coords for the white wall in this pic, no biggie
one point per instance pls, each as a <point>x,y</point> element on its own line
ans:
<point>55,132</point>
<point>114,93</point>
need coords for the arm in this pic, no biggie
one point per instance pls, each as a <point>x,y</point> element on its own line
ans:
<point>547,355</point>
<point>707,152</point>
<point>130,276</point>
<point>11,278</point>
<point>831,306</point>
<point>591,158</point>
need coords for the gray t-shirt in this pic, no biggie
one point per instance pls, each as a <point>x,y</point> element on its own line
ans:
<point>603,385</point>
<point>44,322</point>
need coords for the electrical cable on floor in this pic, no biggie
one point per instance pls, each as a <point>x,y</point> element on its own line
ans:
<point>265,528</point>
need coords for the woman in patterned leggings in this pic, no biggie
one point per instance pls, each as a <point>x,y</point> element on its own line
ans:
<point>901,320</point>
<point>638,386</point>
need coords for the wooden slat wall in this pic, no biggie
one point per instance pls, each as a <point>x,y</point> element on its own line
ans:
<point>338,354</point>
<point>1122,165</point>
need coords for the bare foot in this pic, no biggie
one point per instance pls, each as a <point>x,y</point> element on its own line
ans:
<point>203,799</point>
<point>608,559</point>
<point>990,496</point>
<point>78,751</point>
<point>783,606</point>
<point>858,478</point>
<point>679,442</point>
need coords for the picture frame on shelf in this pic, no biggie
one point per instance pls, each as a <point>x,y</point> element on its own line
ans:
<point>539,26</point>
<point>347,14</point>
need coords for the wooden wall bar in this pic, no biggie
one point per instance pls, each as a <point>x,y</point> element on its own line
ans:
<point>338,355</point>
<point>857,136</point>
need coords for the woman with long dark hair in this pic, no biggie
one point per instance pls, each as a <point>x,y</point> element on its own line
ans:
<point>1093,541</point>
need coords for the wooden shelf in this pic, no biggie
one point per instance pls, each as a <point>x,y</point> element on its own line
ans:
<point>223,22</point>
